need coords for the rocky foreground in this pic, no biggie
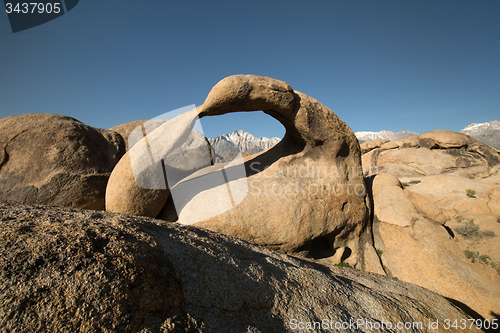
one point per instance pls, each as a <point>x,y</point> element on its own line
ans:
<point>72,270</point>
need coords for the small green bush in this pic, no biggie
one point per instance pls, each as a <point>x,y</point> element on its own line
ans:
<point>498,219</point>
<point>404,185</point>
<point>343,264</point>
<point>484,258</point>
<point>379,252</point>
<point>496,266</point>
<point>470,193</point>
<point>415,182</point>
<point>395,278</point>
<point>472,256</point>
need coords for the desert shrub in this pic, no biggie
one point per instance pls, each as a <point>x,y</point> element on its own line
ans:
<point>459,218</point>
<point>472,256</point>
<point>343,264</point>
<point>395,278</point>
<point>470,193</point>
<point>487,233</point>
<point>379,252</point>
<point>468,229</point>
<point>498,219</point>
<point>404,185</point>
<point>484,258</point>
<point>496,266</point>
<point>415,181</point>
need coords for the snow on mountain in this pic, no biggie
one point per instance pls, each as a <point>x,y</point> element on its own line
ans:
<point>488,132</point>
<point>493,125</point>
<point>243,141</point>
<point>390,135</point>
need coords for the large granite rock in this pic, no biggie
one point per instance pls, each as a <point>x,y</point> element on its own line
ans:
<point>416,246</point>
<point>370,145</point>
<point>125,129</point>
<point>56,160</point>
<point>391,204</point>
<point>433,153</point>
<point>306,194</point>
<point>69,270</point>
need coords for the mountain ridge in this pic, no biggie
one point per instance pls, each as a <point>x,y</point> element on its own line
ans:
<point>240,140</point>
<point>488,132</point>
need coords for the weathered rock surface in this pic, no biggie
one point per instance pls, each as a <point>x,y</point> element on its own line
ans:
<point>449,194</point>
<point>125,129</point>
<point>309,188</point>
<point>370,145</point>
<point>414,246</point>
<point>434,153</point>
<point>391,204</point>
<point>69,270</point>
<point>427,208</point>
<point>56,160</point>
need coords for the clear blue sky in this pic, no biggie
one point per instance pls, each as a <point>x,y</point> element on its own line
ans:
<point>379,65</point>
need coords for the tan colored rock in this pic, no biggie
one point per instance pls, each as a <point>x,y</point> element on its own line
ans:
<point>370,145</point>
<point>301,207</point>
<point>421,160</point>
<point>436,152</point>
<point>426,255</point>
<point>52,159</point>
<point>443,139</point>
<point>492,196</point>
<point>384,180</point>
<point>79,271</point>
<point>369,162</point>
<point>448,193</point>
<point>125,129</point>
<point>389,145</point>
<point>444,186</point>
<point>137,185</point>
<point>469,206</point>
<point>422,251</point>
<point>391,204</point>
<point>427,208</point>
<point>411,142</point>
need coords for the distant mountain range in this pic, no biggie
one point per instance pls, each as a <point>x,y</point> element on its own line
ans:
<point>228,145</point>
<point>390,135</point>
<point>241,141</point>
<point>489,132</point>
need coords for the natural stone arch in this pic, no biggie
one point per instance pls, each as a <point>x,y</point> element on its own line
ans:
<point>315,137</point>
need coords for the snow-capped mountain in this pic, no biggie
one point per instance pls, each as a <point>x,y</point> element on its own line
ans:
<point>488,132</point>
<point>390,135</point>
<point>243,141</point>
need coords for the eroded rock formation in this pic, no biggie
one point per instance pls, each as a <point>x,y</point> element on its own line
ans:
<point>306,194</point>
<point>56,160</point>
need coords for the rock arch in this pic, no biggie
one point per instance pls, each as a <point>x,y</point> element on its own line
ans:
<point>289,211</point>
